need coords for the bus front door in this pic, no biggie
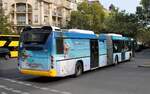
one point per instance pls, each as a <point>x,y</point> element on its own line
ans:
<point>94,53</point>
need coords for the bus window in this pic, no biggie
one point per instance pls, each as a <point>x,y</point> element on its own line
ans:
<point>129,45</point>
<point>117,46</point>
<point>126,45</point>
<point>59,46</point>
<point>35,38</point>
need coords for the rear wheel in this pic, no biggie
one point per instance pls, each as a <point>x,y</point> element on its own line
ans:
<point>78,69</point>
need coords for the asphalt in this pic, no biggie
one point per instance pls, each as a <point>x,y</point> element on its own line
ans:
<point>124,78</point>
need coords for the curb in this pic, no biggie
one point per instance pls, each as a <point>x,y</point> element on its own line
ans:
<point>146,65</point>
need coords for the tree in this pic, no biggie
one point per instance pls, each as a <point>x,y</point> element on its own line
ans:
<point>97,12</point>
<point>146,11</point>
<point>122,23</point>
<point>144,36</point>
<point>5,26</point>
<point>112,7</point>
<point>89,16</point>
<point>143,13</point>
<point>145,4</point>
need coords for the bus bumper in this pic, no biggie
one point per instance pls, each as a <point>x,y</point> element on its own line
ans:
<point>51,73</point>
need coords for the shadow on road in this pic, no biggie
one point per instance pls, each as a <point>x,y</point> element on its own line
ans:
<point>46,79</point>
<point>67,78</point>
<point>9,70</point>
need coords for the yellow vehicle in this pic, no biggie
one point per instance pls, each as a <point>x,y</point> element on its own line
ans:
<point>9,45</point>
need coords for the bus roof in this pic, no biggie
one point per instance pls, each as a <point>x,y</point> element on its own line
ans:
<point>119,38</point>
<point>113,36</point>
<point>81,31</point>
<point>74,35</point>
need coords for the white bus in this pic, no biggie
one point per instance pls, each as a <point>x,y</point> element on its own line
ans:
<point>44,52</point>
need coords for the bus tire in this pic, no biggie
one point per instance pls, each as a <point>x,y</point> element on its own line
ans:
<point>78,69</point>
<point>116,60</point>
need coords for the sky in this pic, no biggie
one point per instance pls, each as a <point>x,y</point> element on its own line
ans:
<point>128,5</point>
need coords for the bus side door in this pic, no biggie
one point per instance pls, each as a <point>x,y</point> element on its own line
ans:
<point>94,53</point>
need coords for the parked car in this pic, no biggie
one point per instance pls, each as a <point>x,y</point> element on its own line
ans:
<point>4,52</point>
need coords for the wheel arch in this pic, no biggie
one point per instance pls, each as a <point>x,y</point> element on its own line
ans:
<point>81,61</point>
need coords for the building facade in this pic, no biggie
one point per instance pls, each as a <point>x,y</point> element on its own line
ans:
<point>38,12</point>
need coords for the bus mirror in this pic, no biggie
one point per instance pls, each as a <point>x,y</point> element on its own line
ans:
<point>47,28</point>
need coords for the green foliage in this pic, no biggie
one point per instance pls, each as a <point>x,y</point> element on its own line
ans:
<point>144,36</point>
<point>5,27</point>
<point>88,16</point>
<point>122,23</point>
<point>92,17</point>
<point>145,4</point>
<point>143,14</point>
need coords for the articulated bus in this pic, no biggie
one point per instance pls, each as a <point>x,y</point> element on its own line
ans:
<point>119,48</point>
<point>43,52</point>
<point>9,45</point>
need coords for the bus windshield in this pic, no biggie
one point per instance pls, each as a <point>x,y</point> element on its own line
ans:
<point>35,36</point>
<point>34,39</point>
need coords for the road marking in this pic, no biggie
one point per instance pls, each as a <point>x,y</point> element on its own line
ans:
<point>3,93</point>
<point>12,90</point>
<point>34,86</point>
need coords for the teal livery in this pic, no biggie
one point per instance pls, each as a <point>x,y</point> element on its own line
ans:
<point>44,52</point>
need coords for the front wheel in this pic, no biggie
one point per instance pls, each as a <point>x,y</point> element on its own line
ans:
<point>78,69</point>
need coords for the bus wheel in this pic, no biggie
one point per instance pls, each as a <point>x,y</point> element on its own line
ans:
<point>78,69</point>
<point>116,60</point>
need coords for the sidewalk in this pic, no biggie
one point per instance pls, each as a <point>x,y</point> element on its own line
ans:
<point>146,65</point>
<point>143,58</point>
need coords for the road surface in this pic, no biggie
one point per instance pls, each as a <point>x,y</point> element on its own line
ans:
<point>125,78</point>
